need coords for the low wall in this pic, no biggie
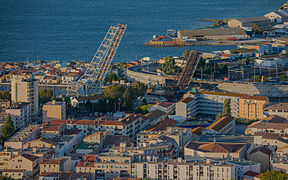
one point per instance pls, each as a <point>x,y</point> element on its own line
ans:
<point>147,78</point>
<point>256,89</point>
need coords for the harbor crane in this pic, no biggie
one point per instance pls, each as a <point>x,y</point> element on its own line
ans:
<point>92,80</point>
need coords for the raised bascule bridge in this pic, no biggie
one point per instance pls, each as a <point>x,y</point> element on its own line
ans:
<point>184,76</point>
<point>92,80</point>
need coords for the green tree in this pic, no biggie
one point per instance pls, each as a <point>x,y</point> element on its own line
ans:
<point>5,178</point>
<point>169,66</point>
<point>112,77</point>
<point>247,60</point>
<point>45,95</point>
<point>139,88</point>
<point>273,175</point>
<point>7,130</point>
<point>5,95</point>
<point>226,108</point>
<point>256,29</point>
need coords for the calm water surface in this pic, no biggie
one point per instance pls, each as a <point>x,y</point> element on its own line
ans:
<point>73,29</point>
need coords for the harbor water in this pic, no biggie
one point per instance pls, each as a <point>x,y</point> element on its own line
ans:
<point>72,29</point>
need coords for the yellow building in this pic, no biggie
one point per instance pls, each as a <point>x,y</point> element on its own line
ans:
<point>55,110</point>
<point>25,90</point>
<point>252,107</point>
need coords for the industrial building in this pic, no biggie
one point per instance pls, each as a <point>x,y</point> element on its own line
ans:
<point>213,34</point>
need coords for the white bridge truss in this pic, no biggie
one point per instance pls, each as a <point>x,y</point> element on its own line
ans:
<point>92,80</point>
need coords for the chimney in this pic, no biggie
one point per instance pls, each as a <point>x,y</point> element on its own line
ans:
<point>34,150</point>
<point>53,102</point>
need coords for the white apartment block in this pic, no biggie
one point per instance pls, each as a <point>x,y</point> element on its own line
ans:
<point>211,103</point>
<point>183,170</point>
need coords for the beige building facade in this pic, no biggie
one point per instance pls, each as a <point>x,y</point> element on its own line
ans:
<point>25,90</point>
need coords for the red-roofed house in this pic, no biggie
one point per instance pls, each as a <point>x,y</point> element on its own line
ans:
<point>214,150</point>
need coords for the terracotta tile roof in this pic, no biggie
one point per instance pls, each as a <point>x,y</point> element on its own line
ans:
<point>130,118</point>
<point>275,119</point>
<point>85,164</point>
<point>51,128</point>
<point>94,134</point>
<point>220,123</point>
<point>51,161</point>
<point>261,149</point>
<point>220,93</point>
<point>198,130</point>
<point>216,147</point>
<point>114,140</point>
<point>252,174</point>
<point>268,125</point>
<point>155,115</point>
<point>90,158</point>
<point>267,135</point>
<point>278,106</point>
<point>160,126</point>
<point>166,104</point>
<point>186,100</point>
<point>30,157</point>
<point>261,98</point>
<point>111,123</point>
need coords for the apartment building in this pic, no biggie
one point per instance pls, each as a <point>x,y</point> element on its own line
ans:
<point>180,135</point>
<point>183,170</point>
<point>186,107</point>
<point>167,107</point>
<point>29,133</point>
<point>161,147</point>
<point>5,155</point>
<point>26,162</point>
<point>107,166</point>
<point>211,103</point>
<point>271,124</point>
<point>55,110</point>
<point>279,109</point>
<point>55,165</point>
<point>126,126</point>
<point>65,175</point>
<point>25,90</point>
<point>252,107</point>
<point>20,115</point>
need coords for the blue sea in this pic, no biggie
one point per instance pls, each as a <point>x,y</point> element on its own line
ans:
<point>73,29</point>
